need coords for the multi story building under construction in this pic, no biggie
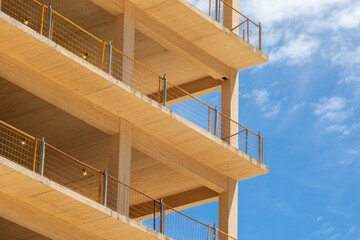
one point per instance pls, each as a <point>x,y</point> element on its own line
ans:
<point>102,134</point>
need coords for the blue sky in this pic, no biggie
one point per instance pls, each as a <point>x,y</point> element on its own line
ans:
<point>305,103</point>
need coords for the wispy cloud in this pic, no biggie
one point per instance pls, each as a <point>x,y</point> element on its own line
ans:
<point>333,109</point>
<point>335,236</point>
<point>319,218</point>
<point>325,229</point>
<point>261,98</point>
<point>342,129</point>
<point>296,107</point>
<point>345,162</point>
<point>353,229</point>
<point>296,51</point>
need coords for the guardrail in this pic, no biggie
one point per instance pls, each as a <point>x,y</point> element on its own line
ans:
<point>49,23</point>
<point>231,18</point>
<point>50,162</point>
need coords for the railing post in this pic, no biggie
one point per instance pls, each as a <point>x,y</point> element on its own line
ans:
<point>164,90</point>
<point>247,23</point>
<point>216,10</point>
<point>216,123</point>
<point>104,193</point>
<point>259,146</point>
<point>50,22</point>
<point>162,218</point>
<point>260,40</point>
<point>246,140</point>
<point>214,233</point>
<point>154,215</point>
<point>110,55</point>
<point>42,156</point>
<point>262,150</point>
<point>209,7</point>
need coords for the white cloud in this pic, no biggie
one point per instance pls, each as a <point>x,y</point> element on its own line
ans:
<point>271,12</point>
<point>347,18</point>
<point>296,51</point>
<point>296,107</point>
<point>353,229</point>
<point>332,109</point>
<point>352,152</point>
<point>261,97</point>
<point>326,229</point>
<point>342,129</point>
<point>345,162</point>
<point>335,236</point>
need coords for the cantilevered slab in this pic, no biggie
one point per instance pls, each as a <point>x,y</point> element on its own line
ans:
<point>54,211</point>
<point>102,91</point>
<point>200,29</point>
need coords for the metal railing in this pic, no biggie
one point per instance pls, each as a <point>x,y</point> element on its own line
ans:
<point>49,23</point>
<point>50,162</point>
<point>231,18</point>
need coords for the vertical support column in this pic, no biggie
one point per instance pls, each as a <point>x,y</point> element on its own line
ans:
<point>230,107</point>
<point>124,40</point>
<point>230,17</point>
<point>228,209</point>
<point>120,166</point>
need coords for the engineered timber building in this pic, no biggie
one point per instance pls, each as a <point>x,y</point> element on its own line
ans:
<point>102,135</point>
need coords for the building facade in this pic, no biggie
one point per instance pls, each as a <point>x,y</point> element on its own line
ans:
<point>102,133</point>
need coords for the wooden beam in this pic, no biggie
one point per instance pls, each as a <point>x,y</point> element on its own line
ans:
<point>179,161</point>
<point>57,94</point>
<point>196,88</point>
<point>191,198</point>
<point>228,209</point>
<point>180,201</point>
<point>120,168</point>
<point>181,46</point>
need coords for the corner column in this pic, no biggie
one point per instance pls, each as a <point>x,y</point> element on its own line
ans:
<point>120,168</point>
<point>228,209</point>
<point>124,40</point>
<point>230,107</point>
<point>230,17</point>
